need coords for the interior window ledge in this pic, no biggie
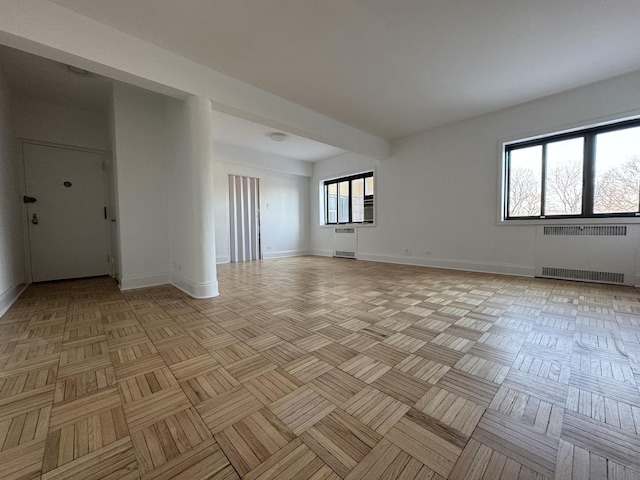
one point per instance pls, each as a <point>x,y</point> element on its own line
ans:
<point>572,221</point>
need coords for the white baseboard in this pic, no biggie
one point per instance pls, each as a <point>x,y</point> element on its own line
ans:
<point>196,290</point>
<point>10,295</point>
<point>223,259</point>
<point>322,253</point>
<point>466,265</point>
<point>284,254</point>
<point>141,281</point>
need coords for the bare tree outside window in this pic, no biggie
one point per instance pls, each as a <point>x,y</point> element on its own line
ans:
<point>524,193</point>
<point>617,189</point>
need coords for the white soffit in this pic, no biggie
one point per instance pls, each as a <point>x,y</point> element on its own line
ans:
<point>31,76</point>
<point>243,133</point>
<point>392,68</point>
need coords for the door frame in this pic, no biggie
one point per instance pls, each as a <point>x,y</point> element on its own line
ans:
<point>108,201</point>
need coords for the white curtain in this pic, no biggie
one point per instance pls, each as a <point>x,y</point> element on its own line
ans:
<point>244,218</point>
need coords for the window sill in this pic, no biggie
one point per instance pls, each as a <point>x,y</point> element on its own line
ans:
<point>348,225</point>
<point>572,221</point>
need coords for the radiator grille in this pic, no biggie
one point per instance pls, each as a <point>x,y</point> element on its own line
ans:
<point>345,230</point>
<point>586,275</point>
<point>343,254</point>
<point>588,230</point>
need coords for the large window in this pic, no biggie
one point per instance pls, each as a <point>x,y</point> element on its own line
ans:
<point>590,173</point>
<point>349,199</point>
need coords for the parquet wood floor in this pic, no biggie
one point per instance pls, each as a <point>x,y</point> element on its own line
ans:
<point>318,368</point>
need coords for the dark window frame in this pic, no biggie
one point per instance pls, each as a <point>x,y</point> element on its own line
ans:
<point>588,176</point>
<point>337,181</point>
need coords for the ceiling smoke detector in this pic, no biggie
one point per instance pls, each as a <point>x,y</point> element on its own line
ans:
<point>78,70</point>
<point>278,136</point>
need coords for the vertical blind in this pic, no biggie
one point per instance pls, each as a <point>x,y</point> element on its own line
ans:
<point>244,218</point>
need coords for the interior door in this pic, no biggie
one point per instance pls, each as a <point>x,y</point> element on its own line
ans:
<point>68,231</point>
<point>244,219</point>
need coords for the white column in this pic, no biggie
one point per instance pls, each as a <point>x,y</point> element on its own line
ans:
<point>201,158</point>
<point>194,242</point>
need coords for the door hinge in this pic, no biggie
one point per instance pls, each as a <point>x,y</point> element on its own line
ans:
<point>105,213</point>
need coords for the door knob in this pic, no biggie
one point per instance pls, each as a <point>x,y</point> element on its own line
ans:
<point>34,219</point>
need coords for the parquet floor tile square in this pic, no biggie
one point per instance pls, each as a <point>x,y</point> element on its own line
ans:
<point>337,386</point>
<point>69,411</point>
<point>162,441</point>
<point>456,412</point>
<point>146,384</point>
<point>272,385</point>
<point>521,443</point>
<point>428,440</point>
<point>207,385</point>
<point>24,426</point>
<point>283,353</point>
<point>24,461</point>
<point>72,441</point>
<point>401,386</point>
<point>193,366</point>
<point>35,380</point>
<point>297,460</point>
<point>204,461</point>
<point>340,441</point>
<point>252,440</point>
<point>154,407</point>
<point>378,372</point>
<point>479,462</point>
<point>301,409</point>
<point>375,409</point>
<point>227,408</point>
<point>250,367</point>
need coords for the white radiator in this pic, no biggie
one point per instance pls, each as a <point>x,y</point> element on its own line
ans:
<point>593,253</point>
<point>345,242</point>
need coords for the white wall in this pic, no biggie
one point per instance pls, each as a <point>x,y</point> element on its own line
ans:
<point>439,190</point>
<point>284,200</point>
<point>12,260</point>
<point>141,176</point>
<point>35,119</point>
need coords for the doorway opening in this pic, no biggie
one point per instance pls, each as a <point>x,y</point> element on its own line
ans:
<point>244,219</point>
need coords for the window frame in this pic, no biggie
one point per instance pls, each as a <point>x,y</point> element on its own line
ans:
<point>588,172</point>
<point>348,178</point>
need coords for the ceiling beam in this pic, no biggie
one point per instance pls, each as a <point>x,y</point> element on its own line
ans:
<point>51,31</point>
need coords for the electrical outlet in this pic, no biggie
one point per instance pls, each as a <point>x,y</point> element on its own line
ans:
<point>407,251</point>
<point>180,266</point>
<point>427,253</point>
<point>269,247</point>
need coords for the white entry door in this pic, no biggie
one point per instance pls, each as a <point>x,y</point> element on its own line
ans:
<point>68,231</point>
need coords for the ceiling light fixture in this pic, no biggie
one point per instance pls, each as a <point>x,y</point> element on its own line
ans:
<point>278,136</point>
<point>78,70</point>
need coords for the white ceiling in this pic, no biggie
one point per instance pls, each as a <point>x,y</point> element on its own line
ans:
<point>392,67</point>
<point>32,76</point>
